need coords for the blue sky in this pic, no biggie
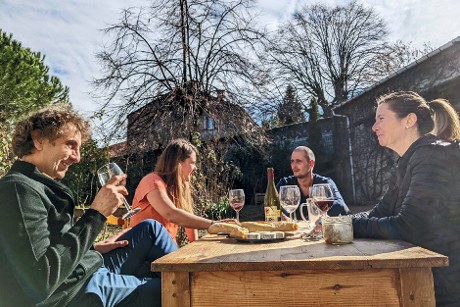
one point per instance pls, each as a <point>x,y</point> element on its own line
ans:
<point>68,32</point>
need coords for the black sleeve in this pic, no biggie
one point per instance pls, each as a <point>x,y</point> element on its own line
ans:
<point>421,212</point>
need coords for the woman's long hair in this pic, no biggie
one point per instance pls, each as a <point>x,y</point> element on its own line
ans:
<point>437,116</point>
<point>169,168</point>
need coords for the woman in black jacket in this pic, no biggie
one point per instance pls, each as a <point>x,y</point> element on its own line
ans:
<point>422,205</point>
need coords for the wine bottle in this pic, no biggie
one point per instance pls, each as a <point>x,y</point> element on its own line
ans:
<point>272,205</point>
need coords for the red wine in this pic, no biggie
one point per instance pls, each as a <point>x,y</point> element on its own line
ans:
<point>237,206</point>
<point>324,204</point>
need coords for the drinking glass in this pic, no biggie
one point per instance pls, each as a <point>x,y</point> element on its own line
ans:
<point>108,171</point>
<point>290,198</point>
<point>236,200</point>
<point>315,215</point>
<point>321,193</point>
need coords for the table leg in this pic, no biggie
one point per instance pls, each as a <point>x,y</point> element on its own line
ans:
<point>417,287</point>
<point>175,289</point>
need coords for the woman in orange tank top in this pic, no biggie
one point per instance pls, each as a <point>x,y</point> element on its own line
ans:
<point>165,195</point>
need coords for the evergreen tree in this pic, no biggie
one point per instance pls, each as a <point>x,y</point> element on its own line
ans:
<point>25,85</point>
<point>290,110</point>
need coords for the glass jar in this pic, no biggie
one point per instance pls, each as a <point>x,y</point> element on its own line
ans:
<point>338,229</point>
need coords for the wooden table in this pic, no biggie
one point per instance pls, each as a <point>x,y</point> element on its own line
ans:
<point>217,271</point>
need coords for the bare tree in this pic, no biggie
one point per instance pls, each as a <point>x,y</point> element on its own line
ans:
<point>175,63</point>
<point>332,53</point>
<point>157,51</point>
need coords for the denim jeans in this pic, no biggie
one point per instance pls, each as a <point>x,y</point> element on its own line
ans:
<point>125,278</point>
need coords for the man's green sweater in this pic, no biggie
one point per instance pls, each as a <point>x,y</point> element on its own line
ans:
<point>45,258</point>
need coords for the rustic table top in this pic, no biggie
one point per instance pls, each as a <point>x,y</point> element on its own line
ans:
<point>219,253</point>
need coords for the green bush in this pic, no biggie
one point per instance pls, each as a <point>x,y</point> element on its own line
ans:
<point>220,210</point>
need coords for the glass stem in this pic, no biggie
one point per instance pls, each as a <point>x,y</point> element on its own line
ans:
<point>125,203</point>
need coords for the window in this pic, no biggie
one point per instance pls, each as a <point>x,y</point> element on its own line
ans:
<point>208,124</point>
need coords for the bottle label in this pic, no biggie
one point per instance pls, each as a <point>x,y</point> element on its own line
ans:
<point>271,214</point>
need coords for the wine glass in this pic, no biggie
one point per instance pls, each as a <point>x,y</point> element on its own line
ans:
<point>321,193</point>
<point>236,200</point>
<point>108,171</point>
<point>290,198</point>
<point>315,215</point>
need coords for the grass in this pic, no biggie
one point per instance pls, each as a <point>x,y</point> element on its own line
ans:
<point>108,231</point>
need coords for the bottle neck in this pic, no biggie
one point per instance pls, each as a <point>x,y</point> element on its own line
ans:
<point>270,175</point>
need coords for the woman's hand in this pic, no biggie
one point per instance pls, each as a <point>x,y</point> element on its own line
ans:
<point>111,243</point>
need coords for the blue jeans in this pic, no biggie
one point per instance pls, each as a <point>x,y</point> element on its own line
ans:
<point>125,278</point>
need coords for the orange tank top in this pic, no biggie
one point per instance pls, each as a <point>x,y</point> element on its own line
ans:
<point>150,183</point>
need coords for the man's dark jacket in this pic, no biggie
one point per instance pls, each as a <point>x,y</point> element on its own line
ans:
<point>44,257</point>
<point>422,206</point>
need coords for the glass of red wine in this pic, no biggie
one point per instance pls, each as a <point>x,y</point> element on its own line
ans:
<point>236,200</point>
<point>322,195</point>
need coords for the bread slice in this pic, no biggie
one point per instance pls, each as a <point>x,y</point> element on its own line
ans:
<point>233,230</point>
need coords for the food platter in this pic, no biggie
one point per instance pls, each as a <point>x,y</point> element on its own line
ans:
<point>262,237</point>
<point>259,240</point>
<point>256,232</point>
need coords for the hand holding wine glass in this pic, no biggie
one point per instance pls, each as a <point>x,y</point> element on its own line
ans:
<point>322,195</point>
<point>290,198</point>
<point>105,173</point>
<point>236,199</point>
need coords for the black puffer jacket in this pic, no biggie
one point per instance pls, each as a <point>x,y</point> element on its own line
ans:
<point>422,206</point>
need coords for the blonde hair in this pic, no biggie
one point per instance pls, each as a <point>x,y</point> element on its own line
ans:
<point>446,121</point>
<point>169,168</point>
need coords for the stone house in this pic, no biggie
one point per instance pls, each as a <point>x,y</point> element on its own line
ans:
<point>155,124</point>
<point>152,126</point>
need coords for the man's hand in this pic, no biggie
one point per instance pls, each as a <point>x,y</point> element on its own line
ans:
<point>111,243</point>
<point>110,196</point>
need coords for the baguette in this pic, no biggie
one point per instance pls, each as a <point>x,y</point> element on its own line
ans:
<point>233,230</point>
<point>273,226</point>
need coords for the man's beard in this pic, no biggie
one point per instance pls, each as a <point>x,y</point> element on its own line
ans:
<point>302,175</point>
